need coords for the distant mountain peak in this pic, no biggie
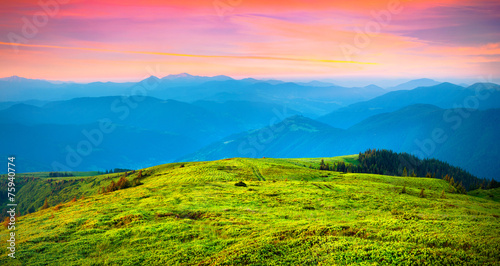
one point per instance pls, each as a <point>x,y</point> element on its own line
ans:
<point>181,75</point>
<point>13,78</point>
<point>316,83</point>
<point>301,122</point>
<point>416,83</point>
<point>423,80</point>
<point>152,78</point>
<point>447,85</point>
<point>484,85</point>
<point>189,77</point>
<point>373,87</point>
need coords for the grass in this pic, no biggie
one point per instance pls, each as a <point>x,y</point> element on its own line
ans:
<point>491,194</point>
<point>195,215</point>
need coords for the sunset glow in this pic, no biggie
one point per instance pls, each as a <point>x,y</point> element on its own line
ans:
<point>119,40</point>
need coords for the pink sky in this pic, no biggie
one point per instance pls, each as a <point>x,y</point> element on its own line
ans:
<point>121,40</point>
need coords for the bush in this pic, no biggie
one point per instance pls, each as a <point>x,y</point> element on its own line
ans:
<point>240,184</point>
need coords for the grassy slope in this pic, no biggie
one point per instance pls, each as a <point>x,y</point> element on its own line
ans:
<point>491,194</point>
<point>31,195</point>
<point>298,216</point>
<point>46,174</point>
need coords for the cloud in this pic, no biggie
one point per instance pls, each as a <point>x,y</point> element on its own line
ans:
<point>250,57</point>
<point>257,37</point>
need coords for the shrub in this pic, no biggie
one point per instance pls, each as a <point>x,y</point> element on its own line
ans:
<point>122,183</point>
<point>240,184</point>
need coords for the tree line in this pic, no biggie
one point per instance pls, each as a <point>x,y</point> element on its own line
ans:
<point>60,174</point>
<point>387,162</point>
<point>113,171</point>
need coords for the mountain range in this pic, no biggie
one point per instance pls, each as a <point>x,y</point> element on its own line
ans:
<point>185,117</point>
<point>470,143</point>
<point>445,95</point>
<point>313,98</point>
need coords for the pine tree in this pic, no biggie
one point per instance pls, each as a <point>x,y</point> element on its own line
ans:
<point>422,195</point>
<point>112,186</point>
<point>322,165</point>
<point>405,172</point>
<point>443,195</point>
<point>45,204</point>
<point>413,173</point>
<point>460,187</point>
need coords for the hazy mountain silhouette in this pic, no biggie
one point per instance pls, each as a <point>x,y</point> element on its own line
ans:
<point>314,98</point>
<point>444,95</point>
<point>413,84</point>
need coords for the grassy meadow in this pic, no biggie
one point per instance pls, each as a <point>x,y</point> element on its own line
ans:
<point>287,214</point>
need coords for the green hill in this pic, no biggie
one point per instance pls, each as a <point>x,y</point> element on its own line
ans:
<point>287,214</point>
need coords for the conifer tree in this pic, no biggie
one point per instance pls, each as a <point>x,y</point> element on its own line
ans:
<point>422,195</point>
<point>45,204</point>
<point>405,172</point>
<point>322,165</point>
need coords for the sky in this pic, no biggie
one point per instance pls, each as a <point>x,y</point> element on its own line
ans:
<point>83,41</point>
